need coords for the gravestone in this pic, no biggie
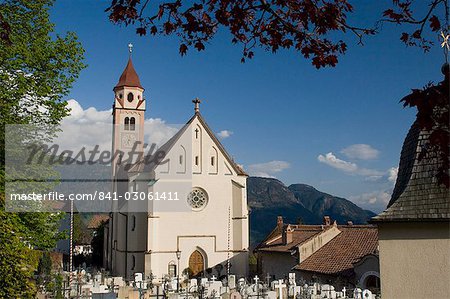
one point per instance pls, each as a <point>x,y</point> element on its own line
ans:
<point>232,282</point>
<point>235,295</point>
<point>367,294</point>
<point>281,289</point>
<point>357,293</point>
<point>271,295</point>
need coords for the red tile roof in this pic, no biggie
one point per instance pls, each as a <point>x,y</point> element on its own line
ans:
<point>300,234</point>
<point>97,220</point>
<point>129,77</point>
<point>339,255</point>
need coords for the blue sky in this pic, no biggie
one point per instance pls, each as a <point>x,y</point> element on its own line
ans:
<point>285,116</point>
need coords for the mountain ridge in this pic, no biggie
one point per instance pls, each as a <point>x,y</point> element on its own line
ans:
<point>268,198</point>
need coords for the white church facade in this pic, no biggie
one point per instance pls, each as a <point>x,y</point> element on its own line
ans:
<point>204,229</point>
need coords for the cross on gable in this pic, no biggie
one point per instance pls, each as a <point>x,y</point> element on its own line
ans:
<point>196,133</point>
<point>196,102</point>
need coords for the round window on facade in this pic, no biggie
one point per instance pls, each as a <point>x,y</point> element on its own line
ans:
<point>197,199</point>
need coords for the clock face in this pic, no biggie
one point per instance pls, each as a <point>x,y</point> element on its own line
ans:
<point>128,140</point>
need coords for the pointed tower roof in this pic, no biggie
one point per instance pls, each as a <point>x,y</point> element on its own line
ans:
<point>129,77</point>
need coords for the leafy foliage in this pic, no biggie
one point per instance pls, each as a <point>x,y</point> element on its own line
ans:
<point>402,12</point>
<point>302,25</point>
<point>306,26</point>
<point>37,69</point>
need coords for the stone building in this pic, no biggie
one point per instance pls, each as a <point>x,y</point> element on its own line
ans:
<point>414,230</point>
<point>329,253</point>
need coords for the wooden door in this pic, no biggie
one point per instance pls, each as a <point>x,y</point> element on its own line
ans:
<point>196,263</point>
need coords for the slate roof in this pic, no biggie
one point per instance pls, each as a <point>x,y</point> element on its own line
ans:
<point>129,77</point>
<point>300,234</point>
<point>338,255</point>
<point>417,196</point>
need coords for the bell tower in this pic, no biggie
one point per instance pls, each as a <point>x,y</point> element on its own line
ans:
<point>128,113</point>
<point>128,136</point>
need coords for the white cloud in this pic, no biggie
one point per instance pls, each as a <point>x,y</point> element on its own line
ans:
<point>375,201</point>
<point>360,152</point>
<point>224,134</point>
<point>331,160</point>
<point>349,167</point>
<point>267,169</point>
<point>392,174</point>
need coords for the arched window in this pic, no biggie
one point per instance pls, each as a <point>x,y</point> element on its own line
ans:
<point>172,269</point>
<point>132,123</point>
<point>130,97</point>
<point>127,124</point>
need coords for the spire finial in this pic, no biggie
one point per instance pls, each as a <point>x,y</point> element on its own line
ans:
<point>196,102</point>
<point>130,48</point>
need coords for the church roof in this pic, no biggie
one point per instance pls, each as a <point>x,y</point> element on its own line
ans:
<point>417,195</point>
<point>140,166</point>
<point>129,77</point>
<point>338,255</point>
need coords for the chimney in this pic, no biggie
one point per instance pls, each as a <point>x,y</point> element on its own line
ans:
<point>349,222</point>
<point>287,235</point>
<point>280,222</point>
<point>326,220</point>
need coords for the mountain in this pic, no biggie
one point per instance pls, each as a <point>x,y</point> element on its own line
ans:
<point>268,198</point>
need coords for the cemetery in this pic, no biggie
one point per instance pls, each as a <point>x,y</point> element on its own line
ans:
<point>95,286</point>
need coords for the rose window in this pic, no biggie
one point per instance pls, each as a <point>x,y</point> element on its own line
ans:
<point>197,199</point>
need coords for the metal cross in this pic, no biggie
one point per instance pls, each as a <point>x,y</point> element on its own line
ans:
<point>196,102</point>
<point>130,48</point>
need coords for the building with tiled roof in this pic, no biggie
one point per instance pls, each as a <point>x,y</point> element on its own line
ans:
<point>325,252</point>
<point>414,230</point>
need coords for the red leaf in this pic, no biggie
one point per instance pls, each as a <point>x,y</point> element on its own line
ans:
<point>141,31</point>
<point>435,25</point>
<point>199,46</point>
<point>183,49</point>
<point>404,38</point>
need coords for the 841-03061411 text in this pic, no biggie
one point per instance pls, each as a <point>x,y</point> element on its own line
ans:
<point>158,196</point>
<point>131,196</point>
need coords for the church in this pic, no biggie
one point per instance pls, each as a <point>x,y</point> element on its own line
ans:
<point>203,228</point>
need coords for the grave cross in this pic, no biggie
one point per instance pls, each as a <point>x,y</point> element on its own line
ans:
<point>280,287</point>
<point>213,278</point>
<point>256,278</point>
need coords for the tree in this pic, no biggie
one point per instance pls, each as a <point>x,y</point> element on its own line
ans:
<point>36,70</point>
<point>97,245</point>
<point>306,26</point>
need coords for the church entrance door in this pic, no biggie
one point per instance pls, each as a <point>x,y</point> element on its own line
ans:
<point>196,263</point>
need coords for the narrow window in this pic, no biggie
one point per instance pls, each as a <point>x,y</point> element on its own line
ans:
<point>133,226</point>
<point>133,263</point>
<point>212,161</point>
<point>130,97</point>
<point>127,123</point>
<point>181,159</point>
<point>196,160</point>
<point>132,123</point>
